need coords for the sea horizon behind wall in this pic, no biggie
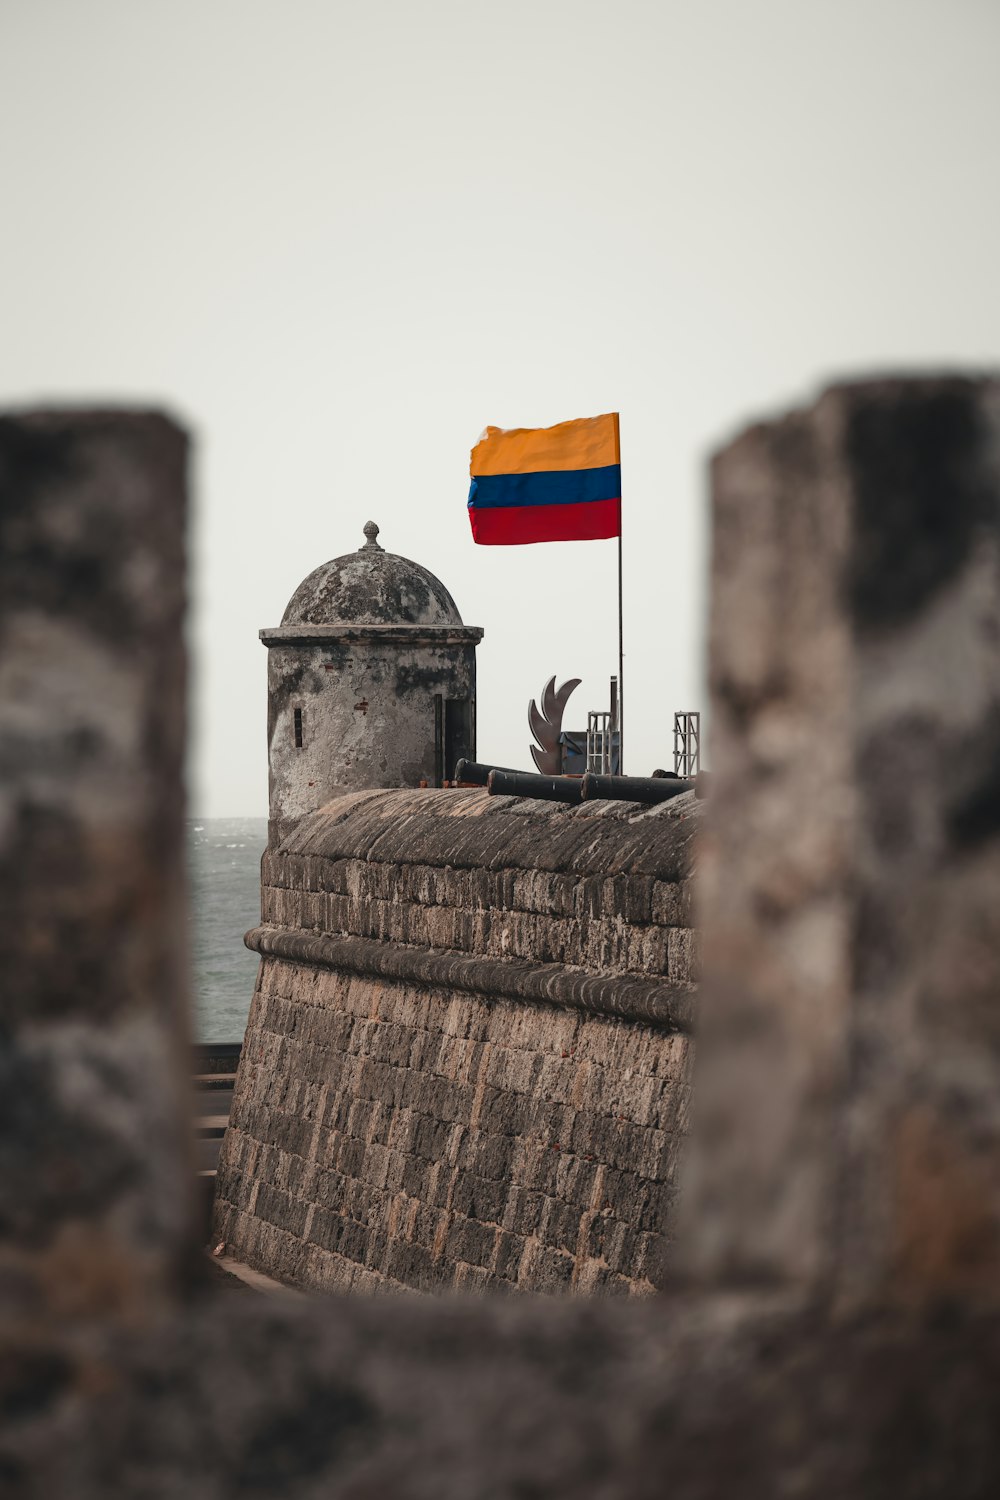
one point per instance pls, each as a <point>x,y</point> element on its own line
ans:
<point>224,902</point>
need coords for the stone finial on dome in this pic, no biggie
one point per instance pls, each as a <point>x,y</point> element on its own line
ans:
<point>372,587</point>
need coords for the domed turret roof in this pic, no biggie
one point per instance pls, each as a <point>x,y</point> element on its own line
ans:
<point>371,587</point>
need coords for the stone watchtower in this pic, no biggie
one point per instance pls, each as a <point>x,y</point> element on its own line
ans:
<point>371,682</point>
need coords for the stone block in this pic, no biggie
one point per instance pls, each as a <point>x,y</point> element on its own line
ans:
<point>479,1198</point>
<point>560,1225</point>
<point>508,1257</point>
<point>550,1270</point>
<point>471,1241</point>
<point>523,1211</point>
<point>280,1208</point>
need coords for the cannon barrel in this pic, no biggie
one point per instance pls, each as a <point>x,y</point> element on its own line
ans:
<point>476,772</point>
<point>527,784</point>
<point>634,788</point>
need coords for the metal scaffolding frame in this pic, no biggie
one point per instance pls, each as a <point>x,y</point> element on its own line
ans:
<point>687,744</point>
<point>600,741</point>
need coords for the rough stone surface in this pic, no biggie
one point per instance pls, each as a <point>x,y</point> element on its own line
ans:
<point>504,1398</point>
<point>464,1065</point>
<point>371,683</point>
<point>853,890</point>
<point>92,953</point>
<point>371,587</point>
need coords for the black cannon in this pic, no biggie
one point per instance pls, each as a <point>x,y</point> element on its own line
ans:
<point>526,784</point>
<point>634,788</point>
<point>501,782</point>
<point>476,772</point>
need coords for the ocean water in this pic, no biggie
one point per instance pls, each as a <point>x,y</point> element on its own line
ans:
<point>224,870</point>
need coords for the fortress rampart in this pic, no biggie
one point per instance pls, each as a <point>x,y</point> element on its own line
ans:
<point>467,1060</point>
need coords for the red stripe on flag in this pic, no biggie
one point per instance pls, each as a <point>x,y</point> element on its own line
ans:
<point>510,525</point>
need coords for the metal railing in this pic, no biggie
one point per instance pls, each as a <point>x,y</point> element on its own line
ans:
<point>687,744</point>
<point>600,735</point>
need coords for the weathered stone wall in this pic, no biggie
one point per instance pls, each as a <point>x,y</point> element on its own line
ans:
<point>368,711</point>
<point>852,887</point>
<point>466,1063</point>
<point>371,682</point>
<point>91,865</point>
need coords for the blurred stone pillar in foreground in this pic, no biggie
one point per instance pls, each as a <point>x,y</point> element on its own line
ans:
<point>852,899</point>
<point>94,1209</point>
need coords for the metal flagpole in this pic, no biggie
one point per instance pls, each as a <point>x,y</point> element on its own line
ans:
<point>621,658</point>
<point>621,632</point>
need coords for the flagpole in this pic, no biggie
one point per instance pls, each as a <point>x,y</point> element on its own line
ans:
<point>621,659</point>
<point>621,629</point>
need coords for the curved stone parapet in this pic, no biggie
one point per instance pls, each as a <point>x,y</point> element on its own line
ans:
<point>467,1059</point>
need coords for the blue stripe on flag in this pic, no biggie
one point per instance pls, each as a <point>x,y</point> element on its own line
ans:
<point>565,487</point>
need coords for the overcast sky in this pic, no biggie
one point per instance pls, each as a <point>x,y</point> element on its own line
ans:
<point>338,239</point>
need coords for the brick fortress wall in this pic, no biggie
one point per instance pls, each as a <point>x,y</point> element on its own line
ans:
<point>467,1059</point>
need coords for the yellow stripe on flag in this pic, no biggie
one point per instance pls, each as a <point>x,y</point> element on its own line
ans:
<point>585,443</point>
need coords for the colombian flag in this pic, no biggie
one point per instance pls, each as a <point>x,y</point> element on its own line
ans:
<point>547,484</point>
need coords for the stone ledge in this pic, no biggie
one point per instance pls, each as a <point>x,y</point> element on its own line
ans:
<point>621,996</point>
<point>755,1396</point>
<point>396,635</point>
<point>228,1270</point>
